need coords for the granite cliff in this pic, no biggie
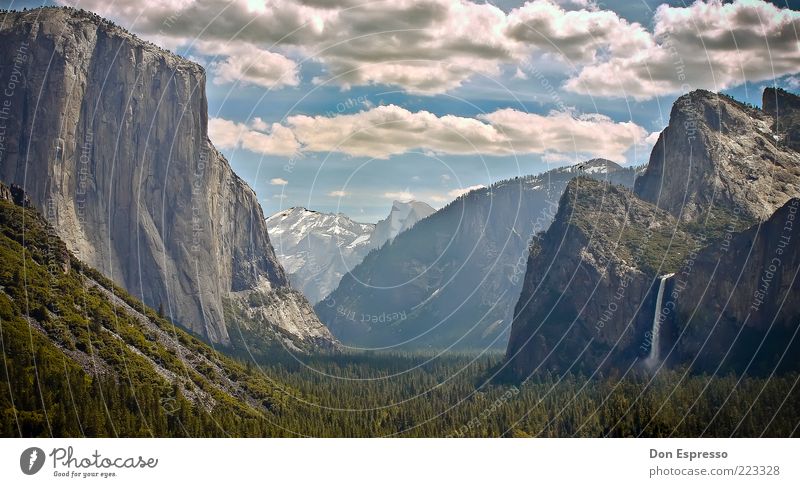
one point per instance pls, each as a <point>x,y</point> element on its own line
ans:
<point>108,135</point>
<point>587,294</point>
<point>720,161</point>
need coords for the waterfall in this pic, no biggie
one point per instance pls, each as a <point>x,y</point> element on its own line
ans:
<point>654,356</point>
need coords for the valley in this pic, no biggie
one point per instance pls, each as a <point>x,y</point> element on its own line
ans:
<point>144,291</point>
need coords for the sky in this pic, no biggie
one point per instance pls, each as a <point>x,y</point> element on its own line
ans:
<point>347,105</point>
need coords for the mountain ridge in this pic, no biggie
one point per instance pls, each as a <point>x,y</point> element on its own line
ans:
<point>451,281</point>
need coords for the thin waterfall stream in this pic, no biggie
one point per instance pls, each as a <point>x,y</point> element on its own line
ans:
<point>654,357</point>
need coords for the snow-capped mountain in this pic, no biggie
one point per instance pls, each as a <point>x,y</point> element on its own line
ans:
<point>402,217</point>
<point>317,249</point>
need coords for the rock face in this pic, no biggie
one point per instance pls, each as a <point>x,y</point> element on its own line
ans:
<point>738,305</point>
<point>712,219</point>
<point>317,249</point>
<point>717,153</point>
<point>452,280</point>
<point>588,293</point>
<point>108,135</point>
<point>784,107</point>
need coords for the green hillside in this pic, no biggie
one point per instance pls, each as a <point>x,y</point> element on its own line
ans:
<point>83,358</point>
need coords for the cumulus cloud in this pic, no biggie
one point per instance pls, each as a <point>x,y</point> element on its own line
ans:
<point>434,46</point>
<point>399,195</point>
<point>274,139</point>
<point>246,64</point>
<point>577,35</point>
<point>338,194</point>
<point>705,45</point>
<point>390,130</point>
<point>278,182</point>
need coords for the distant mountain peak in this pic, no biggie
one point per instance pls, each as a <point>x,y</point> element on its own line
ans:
<point>403,215</point>
<point>317,249</point>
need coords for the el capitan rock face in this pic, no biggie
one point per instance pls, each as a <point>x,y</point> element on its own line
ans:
<point>108,135</point>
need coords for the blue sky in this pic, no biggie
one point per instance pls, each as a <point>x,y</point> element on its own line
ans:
<point>470,94</point>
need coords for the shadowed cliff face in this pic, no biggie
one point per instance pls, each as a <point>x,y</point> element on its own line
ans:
<point>784,108</point>
<point>587,296</point>
<point>738,307</point>
<point>108,135</point>
<point>721,155</point>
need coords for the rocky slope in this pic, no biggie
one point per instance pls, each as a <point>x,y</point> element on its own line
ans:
<point>452,280</point>
<point>587,296</point>
<point>108,135</point>
<point>317,249</point>
<point>719,154</point>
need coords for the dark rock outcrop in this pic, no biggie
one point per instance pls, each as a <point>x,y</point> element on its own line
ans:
<point>711,218</point>
<point>108,135</point>
<point>738,305</point>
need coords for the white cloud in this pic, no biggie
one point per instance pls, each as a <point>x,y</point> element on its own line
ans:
<point>652,138</point>
<point>434,46</point>
<point>339,194</point>
<point>226,134</point>
<point>462,191</point>
<point>793,82</point>
<point>259,124</point>
<point>278,182</point>
<point>705,45</point>
<point>399,195</point>
<point>238,62</point>
<point>389,130</point>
